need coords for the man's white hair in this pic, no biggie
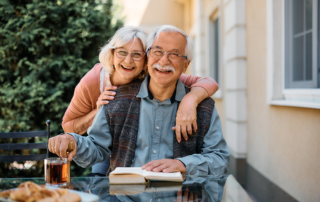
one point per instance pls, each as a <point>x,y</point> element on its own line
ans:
<point>169,28</point>
<point>123,36</point>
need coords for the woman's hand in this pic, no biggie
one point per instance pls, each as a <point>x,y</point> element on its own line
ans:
<point>108,94</point>
<point>186,119</point>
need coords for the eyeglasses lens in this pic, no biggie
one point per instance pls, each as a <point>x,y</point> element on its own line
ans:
<point>136,55</point>
<point>173,57</point>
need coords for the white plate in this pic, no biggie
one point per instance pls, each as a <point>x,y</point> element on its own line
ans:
<point>85,197</point>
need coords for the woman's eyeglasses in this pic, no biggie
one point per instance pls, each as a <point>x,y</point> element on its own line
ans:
<point>135,55</point>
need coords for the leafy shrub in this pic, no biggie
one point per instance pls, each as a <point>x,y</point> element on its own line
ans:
<point>46,47</point>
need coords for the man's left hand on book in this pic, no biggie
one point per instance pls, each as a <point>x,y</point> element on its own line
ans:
<point>165,165</point>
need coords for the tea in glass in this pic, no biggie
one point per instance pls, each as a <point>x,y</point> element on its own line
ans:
<point>56,171</point>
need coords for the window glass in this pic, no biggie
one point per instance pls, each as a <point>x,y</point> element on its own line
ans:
<point>298,58</point>
<point>215,49</point>
<point>308,14</point>
<point>298,16</point>
<point>308,56</point>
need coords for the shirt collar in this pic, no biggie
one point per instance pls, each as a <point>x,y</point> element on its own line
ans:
<point>178,93</point>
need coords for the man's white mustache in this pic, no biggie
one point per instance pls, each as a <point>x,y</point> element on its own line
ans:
<point>165,68</point>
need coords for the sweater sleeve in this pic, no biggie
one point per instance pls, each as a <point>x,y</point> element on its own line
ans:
<point>207,83</point>
<point>84,99</point>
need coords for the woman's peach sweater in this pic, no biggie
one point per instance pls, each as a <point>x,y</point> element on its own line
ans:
<point>87,92</point>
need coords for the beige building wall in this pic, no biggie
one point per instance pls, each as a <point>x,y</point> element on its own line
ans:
<point>283,142</point>
<point>152,13</point>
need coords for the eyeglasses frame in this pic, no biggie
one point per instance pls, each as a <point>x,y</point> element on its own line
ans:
<point>128,54</point>
<point>181,56</point>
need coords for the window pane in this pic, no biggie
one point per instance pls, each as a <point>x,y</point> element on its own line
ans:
<point>298,58</point>
<point>298,16</point>
<point>216,50</point>
<point>309,56</point>
<point>308,14</point>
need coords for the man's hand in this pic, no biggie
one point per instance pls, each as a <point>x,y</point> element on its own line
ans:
<point>166,166</point>
<point>59,145</point>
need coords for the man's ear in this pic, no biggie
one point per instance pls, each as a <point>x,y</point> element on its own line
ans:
<point>186,65</point>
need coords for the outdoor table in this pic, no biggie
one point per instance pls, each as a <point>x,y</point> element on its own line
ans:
<point>205,188</point>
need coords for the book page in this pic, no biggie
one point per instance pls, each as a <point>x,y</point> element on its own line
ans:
<point>161,174</point>
<point>164,176</point>
<point>127,179</point>
<point>128,170</point>
<point>147,174</point>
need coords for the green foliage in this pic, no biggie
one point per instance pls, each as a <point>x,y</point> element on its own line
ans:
<point>46,47</point>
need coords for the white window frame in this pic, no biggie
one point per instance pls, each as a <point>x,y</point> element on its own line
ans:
<point>214,6</point>
<point>276,92</point>
<point>288,48</point>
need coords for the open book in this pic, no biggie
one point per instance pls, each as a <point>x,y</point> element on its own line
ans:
<point>135,175</point>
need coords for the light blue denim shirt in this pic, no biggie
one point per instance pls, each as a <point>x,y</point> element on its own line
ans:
<point>155,137</point>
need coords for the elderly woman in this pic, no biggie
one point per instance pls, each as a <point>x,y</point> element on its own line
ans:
<point>122,60</point>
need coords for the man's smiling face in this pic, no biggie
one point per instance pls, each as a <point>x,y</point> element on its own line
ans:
<point>170,42</point>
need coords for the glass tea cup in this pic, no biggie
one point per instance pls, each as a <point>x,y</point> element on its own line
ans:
<point>56,171</point>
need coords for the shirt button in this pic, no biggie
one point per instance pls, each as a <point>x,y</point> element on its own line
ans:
<point>157,127</point>
<point>154,151</point>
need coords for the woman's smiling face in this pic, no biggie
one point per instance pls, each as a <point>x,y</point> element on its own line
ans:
<point>126,69</point>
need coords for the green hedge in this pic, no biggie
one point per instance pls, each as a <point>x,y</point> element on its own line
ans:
<point>46,47</point>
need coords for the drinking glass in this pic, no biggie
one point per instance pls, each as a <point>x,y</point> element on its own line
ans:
<point>56,171</point>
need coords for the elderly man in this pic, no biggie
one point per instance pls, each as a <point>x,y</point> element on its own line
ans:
<point>136,127</point>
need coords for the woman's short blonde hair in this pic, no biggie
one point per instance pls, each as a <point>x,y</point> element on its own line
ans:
<point>123,36</point>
